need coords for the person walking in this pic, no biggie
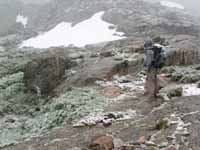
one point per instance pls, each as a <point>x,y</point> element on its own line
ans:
<point>155,58</point>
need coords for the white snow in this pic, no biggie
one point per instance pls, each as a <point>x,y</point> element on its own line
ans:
<point>22,19</point>
<point>171,4</point>
<point>91,31</point>
<point>191,90</point>
<point>94,119</point>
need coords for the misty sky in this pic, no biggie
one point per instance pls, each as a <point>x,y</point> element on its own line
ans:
<point>193,5</point>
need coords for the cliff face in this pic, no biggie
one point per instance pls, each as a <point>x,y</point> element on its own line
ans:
<point>184,56</point>
<point>183,50</point>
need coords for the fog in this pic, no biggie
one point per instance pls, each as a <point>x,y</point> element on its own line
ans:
<point>35,1</point>
<point>191,5</point>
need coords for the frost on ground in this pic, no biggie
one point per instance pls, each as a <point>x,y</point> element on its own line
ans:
<point>69,107</point>
<point>126,83</point>
<point>94,119</point>
<point>22,19</point>
<point>93,30</point>
<point>171,4</point>
<point>191,90</point>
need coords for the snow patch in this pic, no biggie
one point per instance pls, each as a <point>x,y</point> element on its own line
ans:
<point>171,4</point>
<point>126,83</point>
<point>22,19</point>
<point>94,119</point>
<point>191,90</point>
<point>93,30</point>
<point>2,49</point>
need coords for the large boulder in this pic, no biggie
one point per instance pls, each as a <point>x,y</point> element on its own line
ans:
<point>183,50</point>
<point>183,56</point>
<point>104,69</point>
<point>103,142</point>
<point>42,75</point>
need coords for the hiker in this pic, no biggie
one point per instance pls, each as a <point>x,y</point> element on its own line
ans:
<point>154,60</point>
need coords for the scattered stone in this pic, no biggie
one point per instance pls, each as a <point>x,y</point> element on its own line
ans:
<point>122,79</point>
<point>112,27</point>
<point>163,80</point>
<point>159,39</point>
<point>127,147</point>
<point>1,49</point>
<point>139,48</point>
<point>151,148</point>
<point>150,143</point>
<point>162,124</point>
<point>10,120</point>
<point>171,91</point>
<point>171,147</point>
<point>143,146</point>
<point>76,56</point>
<point>118,143</point>
<point>42,75</point>
<point>107,122</point>
<point>106,54</point>
<point>93,55</point>
<point>111,91</point>
<point>104,142</point>
<point>112,116</point>
<point>175,92</point>
<point>70,63</point>
<point>163,145</point>
<point>118,58</point>
<point>185,132</point>
<point>170,138</point>
<point>75,148</point>
<point>88,121</point>
<point>106,119</point>
<point>141,140</point>
<point>198,85</point>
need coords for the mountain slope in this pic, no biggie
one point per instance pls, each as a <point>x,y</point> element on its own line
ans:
<point>134,18</point>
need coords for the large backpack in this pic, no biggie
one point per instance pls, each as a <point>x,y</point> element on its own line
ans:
<point>159,57</point>
<point>155,57</point>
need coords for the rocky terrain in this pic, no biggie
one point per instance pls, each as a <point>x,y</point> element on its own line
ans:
<point>134,18</point>
<point>93,97</point>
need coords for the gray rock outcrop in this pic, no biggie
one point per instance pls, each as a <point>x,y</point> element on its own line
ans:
<point>184,50</point>
<point>42,75</point>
